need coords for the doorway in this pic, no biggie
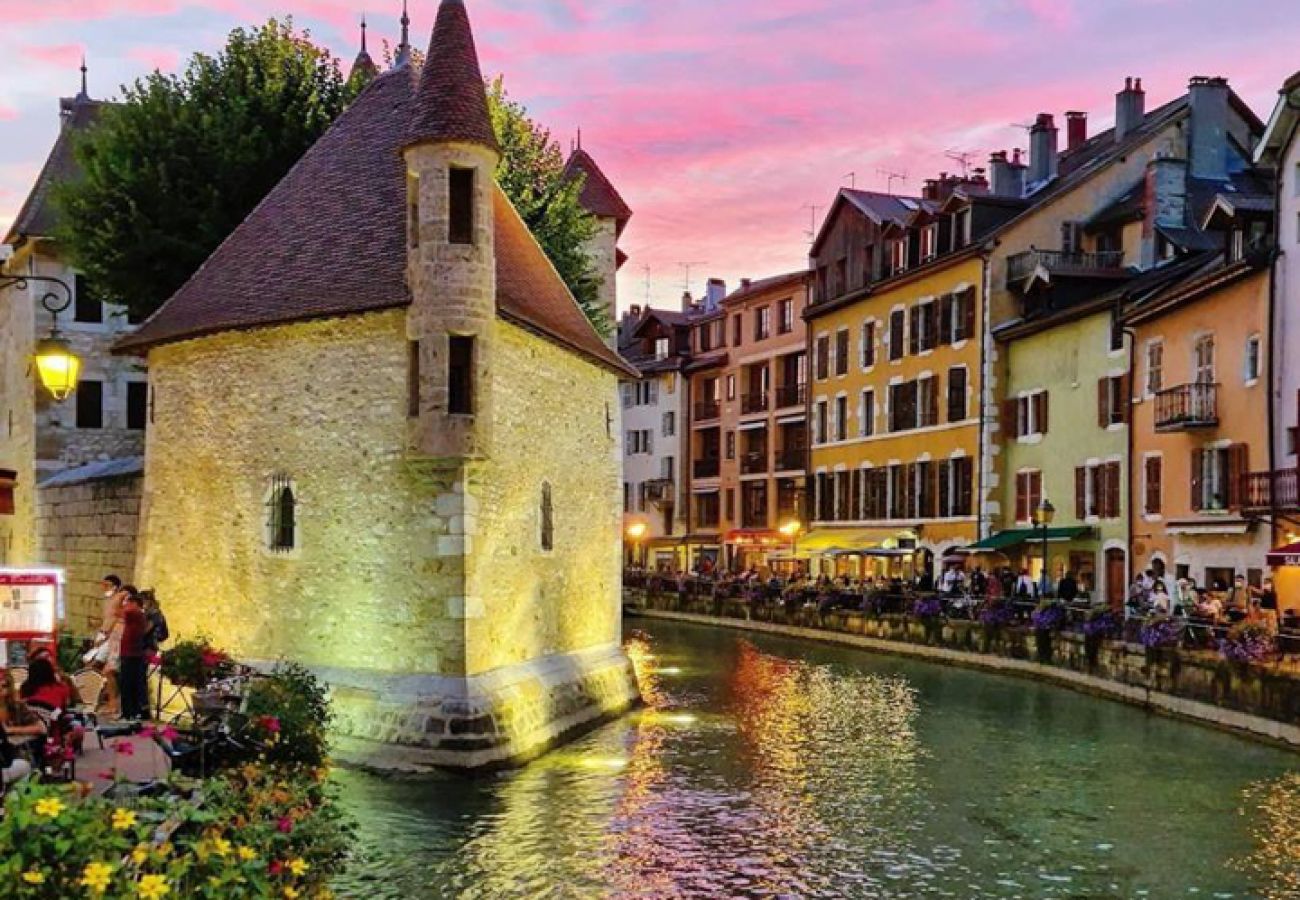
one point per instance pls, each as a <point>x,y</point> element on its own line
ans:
<point>1116,577</point>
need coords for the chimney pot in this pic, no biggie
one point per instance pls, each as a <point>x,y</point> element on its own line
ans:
<point>1130,108</point>
<point>1076,128</point>
<point>1042,149</point>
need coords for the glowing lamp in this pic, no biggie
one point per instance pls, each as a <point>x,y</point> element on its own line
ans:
<point>636,530</point>
<point>57,366</point>
<point>791,528</point>
<point>1046,512</point>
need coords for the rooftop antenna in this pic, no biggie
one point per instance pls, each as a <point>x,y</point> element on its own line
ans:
<point>811,233</point>
<point>961,158</point>
<point>853,180</point>
<point>890,178</point>
<point>646,269</point>
<point>686,268</point>
<point>363,32</point>
<point>85,94</point>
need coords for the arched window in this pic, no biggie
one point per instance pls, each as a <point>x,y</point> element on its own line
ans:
<point>548,518</point>
<point>282,516</point>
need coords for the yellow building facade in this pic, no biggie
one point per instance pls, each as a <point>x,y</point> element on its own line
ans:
<point>895,421</point>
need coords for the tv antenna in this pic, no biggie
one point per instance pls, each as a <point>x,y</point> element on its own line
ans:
<point>812,208</point>
<point>686,270</point>
<point>890,178</point>
<point>962,159</point>
<point>852,178</point>
<point>646,269</point>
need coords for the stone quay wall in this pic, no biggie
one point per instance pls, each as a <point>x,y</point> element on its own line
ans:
<point>89,529</point>
<point>1260,701</point>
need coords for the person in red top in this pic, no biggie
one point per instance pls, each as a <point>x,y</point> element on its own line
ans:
<point>133,673</point>
<point>43,686</point>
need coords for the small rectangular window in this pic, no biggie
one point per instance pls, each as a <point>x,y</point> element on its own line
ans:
<point>7,479</point>
<point>412,378</point>
<point>86,308</point>
<point>1252,358</point>
<point>461,206</point>
<point>137,404</point>
<point>460,376</point>
<point>412,211</point>
<point>90,404</point>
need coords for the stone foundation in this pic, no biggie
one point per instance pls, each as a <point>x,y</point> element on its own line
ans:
<point>417,724</point>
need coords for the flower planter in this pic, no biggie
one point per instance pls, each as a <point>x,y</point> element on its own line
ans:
<point>1043,645</point>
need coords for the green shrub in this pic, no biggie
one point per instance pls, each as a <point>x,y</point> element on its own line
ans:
<point>292,707</point>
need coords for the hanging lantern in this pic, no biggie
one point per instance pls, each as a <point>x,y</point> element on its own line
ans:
<point>57,366</point>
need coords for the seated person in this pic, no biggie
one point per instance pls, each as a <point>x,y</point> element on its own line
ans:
<point>21,733</point>
<point>43,686</point>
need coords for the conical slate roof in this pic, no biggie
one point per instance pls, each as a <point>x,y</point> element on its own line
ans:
<point>451,102</point>
<point>599,196</point>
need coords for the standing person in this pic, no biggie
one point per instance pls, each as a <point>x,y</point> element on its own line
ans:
<point>132,673</point>
<point>1067,588</point>
<point>1266,595</point>
<point>1026,587</point>
<point>108,642</point>
<point>1237,606</point>
<point>156,633</point>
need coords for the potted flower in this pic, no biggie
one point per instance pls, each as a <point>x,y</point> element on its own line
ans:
<point>929,610</point>
<point>1098,625</point>
<point>996,615</point>
<point>1159,635</point>
<point>1047,619</point>
<point>194,663</point>
<point>1249,643</point>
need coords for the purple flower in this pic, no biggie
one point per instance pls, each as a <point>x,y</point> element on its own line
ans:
<point>1251,643</point>
<point>927,608</point>
<point>1049,617</point>
<point>1101,624</point>
<point>997,615</point>
<point>1160,631</point>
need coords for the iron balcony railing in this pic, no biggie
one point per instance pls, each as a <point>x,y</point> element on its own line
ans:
<point>1104,263</point>
<point>753,463</point>
<point>660,490</point>
<point>791,395</point>
<point>1187,406</point>
<point>707,468</point>
<point>707,410</point>
<point>753,402</point>
<point>790,460</point>
<point>1267,491</point>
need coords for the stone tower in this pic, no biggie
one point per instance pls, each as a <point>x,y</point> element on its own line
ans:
<point>600,198</point>
<point>451,155</point>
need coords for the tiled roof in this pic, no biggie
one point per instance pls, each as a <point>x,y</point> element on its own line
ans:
<point>766,284</point>
<point>101,470</point>
<point>451,103</point>
<point>599,196</point>
<point>330,240</point>
<point>37,217</point>
<point>886,207</point>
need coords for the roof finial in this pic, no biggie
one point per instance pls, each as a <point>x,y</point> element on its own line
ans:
<point>579,137</point>
<point>363,32</point>
<point>404,48</point>
<point>85,94</point>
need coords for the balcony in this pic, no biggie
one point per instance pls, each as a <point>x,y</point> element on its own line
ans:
<point>791,395</point>
<point>1264,492</point>
<point>659,491</point>
<point>754,463</point>
<point>791,460</point>
<point>1187,407</point>
<point>753,402</point>
<point>1074,264</point>
<point>707,468</point>
<point>707,410</point>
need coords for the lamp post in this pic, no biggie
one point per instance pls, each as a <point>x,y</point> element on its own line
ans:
<point>56,365</point>
<point>636,532</point>
<point>791,530</point>
<point>1045,513</point>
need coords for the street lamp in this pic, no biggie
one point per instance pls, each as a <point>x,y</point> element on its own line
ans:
<point>1045,513</point>
<point>791,530</point>
<point>636,531</point>
<point>56,365</point>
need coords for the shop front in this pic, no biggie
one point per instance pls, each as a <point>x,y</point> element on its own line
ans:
<point>753,548</point>
<point>1073,549</point>
<point>1285,563</point>
<point>861,553</point>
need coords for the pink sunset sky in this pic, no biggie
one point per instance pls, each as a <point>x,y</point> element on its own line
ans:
<point>720,121</point>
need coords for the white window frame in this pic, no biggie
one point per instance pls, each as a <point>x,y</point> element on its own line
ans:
<point>1254,354</point>
<point>1155,344</point>
<point>867,412</point>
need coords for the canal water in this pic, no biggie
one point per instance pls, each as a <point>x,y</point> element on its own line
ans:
<point>766,767</point>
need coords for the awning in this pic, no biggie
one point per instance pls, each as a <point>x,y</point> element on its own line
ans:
<point>1285,556</point>
<point>756,537</point>
<point>1226,525</point>
<point>849,540</point>
<point>1004,539</point>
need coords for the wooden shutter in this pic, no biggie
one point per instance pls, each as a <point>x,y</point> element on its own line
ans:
<point>1040,411</point>
<point>1010,418</point>
<point>1081,493</point>
<point>947,469</point>
<point>1238,468</point>
<point>1022,496</point>
<point>1113,478</point>
<point>1125,397</point>
<point>914,339</point>
<point>1198,460</point>
<point>947,318</point>
<point>932,413</point>
<point>965,485</point>
<point>1103,403</point>
<point>909,490</point>
<point>968,314</point>
<point>931,325</point>
<point>1153,474</point>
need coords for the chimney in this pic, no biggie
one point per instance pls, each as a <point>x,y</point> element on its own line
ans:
<point>1130,108</point>
<point>688,302</point>
<point>1076,129</point>
<point>1042,149</point>
<point>1006,177</point>
<point>1207,145</point>
<point>717,289</point>
<point>745,283</point>
<point>1166,198</point>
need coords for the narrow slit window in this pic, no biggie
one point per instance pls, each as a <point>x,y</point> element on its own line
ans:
<point>548,518</point>
<point>412,211</point>
<point>460,375</point>
<point>282,516</point>
<point>413,378</point>
<point>461,202</point>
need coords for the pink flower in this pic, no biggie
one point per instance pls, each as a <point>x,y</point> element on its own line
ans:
<point>169,733</point>
<point>126,748</point>
<point>105,776</point>
<point>285,825</point>
<point>213,658</point>
<point>147,732</point>
<point>271,724</point>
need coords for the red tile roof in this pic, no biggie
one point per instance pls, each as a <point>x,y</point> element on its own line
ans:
<point>451,103</point>
<point>599,196</point>
<point>330,240</point>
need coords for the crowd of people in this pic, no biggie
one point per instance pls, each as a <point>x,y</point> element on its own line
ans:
<point>44,715</point>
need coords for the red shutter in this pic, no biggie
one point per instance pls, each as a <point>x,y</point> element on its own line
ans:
<point>1238,467</point>
<point>1198,460</point>
<point>1103,403</point>
<point>1022,496</point>
<point>914,339</point>
<point>1010,426</point>
<point>968,314</point>
<point>965,485</point>
<point>1113,484</point>
<point>1081,493</point>
<point>1040,412</point>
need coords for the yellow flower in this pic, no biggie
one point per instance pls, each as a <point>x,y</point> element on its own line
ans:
<point>139,855</point>
<point>220,846</point>
<point>290,892</point>
<point>50,806</point>
<point>34,877</point>
<point>152,887</point>
<point>96,877</point>
<point>123,819</point>
<point>298,866</point>
<point>247,854</point>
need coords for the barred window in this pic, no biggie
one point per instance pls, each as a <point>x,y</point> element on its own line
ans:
<point>281,516</point>
<point>548,518</point>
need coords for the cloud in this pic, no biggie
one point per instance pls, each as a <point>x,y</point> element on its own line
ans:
<point>7,114</point>
<point>164,59</point>
<point>58,55</point>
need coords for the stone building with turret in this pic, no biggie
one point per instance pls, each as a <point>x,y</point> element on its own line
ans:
<point>386,440</point>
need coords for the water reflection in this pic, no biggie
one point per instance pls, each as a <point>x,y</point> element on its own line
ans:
<point>774,769</point>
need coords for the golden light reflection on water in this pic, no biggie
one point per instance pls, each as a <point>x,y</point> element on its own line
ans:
<point>1273,808</point>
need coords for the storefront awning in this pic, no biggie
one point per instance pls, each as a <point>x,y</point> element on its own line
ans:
<point>756,537</point>
<point>850,540</point>
<point>1285,556</point>
<point>1004,539</point>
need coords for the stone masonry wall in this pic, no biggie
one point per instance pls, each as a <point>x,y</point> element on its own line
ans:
<point>323,403</point>
<point>89,530</point>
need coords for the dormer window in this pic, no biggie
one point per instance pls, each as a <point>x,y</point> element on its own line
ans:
<point>898,255</point>
<point>929,242</point>
<point>460,197</point>
<point>961,229</point>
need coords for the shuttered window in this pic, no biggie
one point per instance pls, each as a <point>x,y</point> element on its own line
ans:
<point>1029,494</point>
<point>897,321</point>
<point>1113,400</point>
<point>1152,474</point>
<point>957,394</point>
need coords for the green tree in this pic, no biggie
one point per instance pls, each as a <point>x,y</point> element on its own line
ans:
<point>532,175</point>
<point>171,170</point>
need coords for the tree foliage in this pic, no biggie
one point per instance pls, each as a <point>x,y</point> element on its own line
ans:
<point>172,169</point>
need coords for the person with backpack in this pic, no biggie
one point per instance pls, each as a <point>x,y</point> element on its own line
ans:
<point>156,632</point>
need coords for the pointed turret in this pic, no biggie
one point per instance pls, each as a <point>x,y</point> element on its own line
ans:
<point>403,55</point>
<point>600,198</point>
<point>451,102</point>
<point>83,96</point>
<point>363,67</point>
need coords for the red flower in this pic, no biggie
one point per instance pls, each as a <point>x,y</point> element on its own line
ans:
<point>213,658</point>
<point>147,732</point>
<point>286,825</point>
<point>270,723</point>
<point>169,733</point>
<point>154,659</point>
<point>106,776</point>
<point>276,867</point>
